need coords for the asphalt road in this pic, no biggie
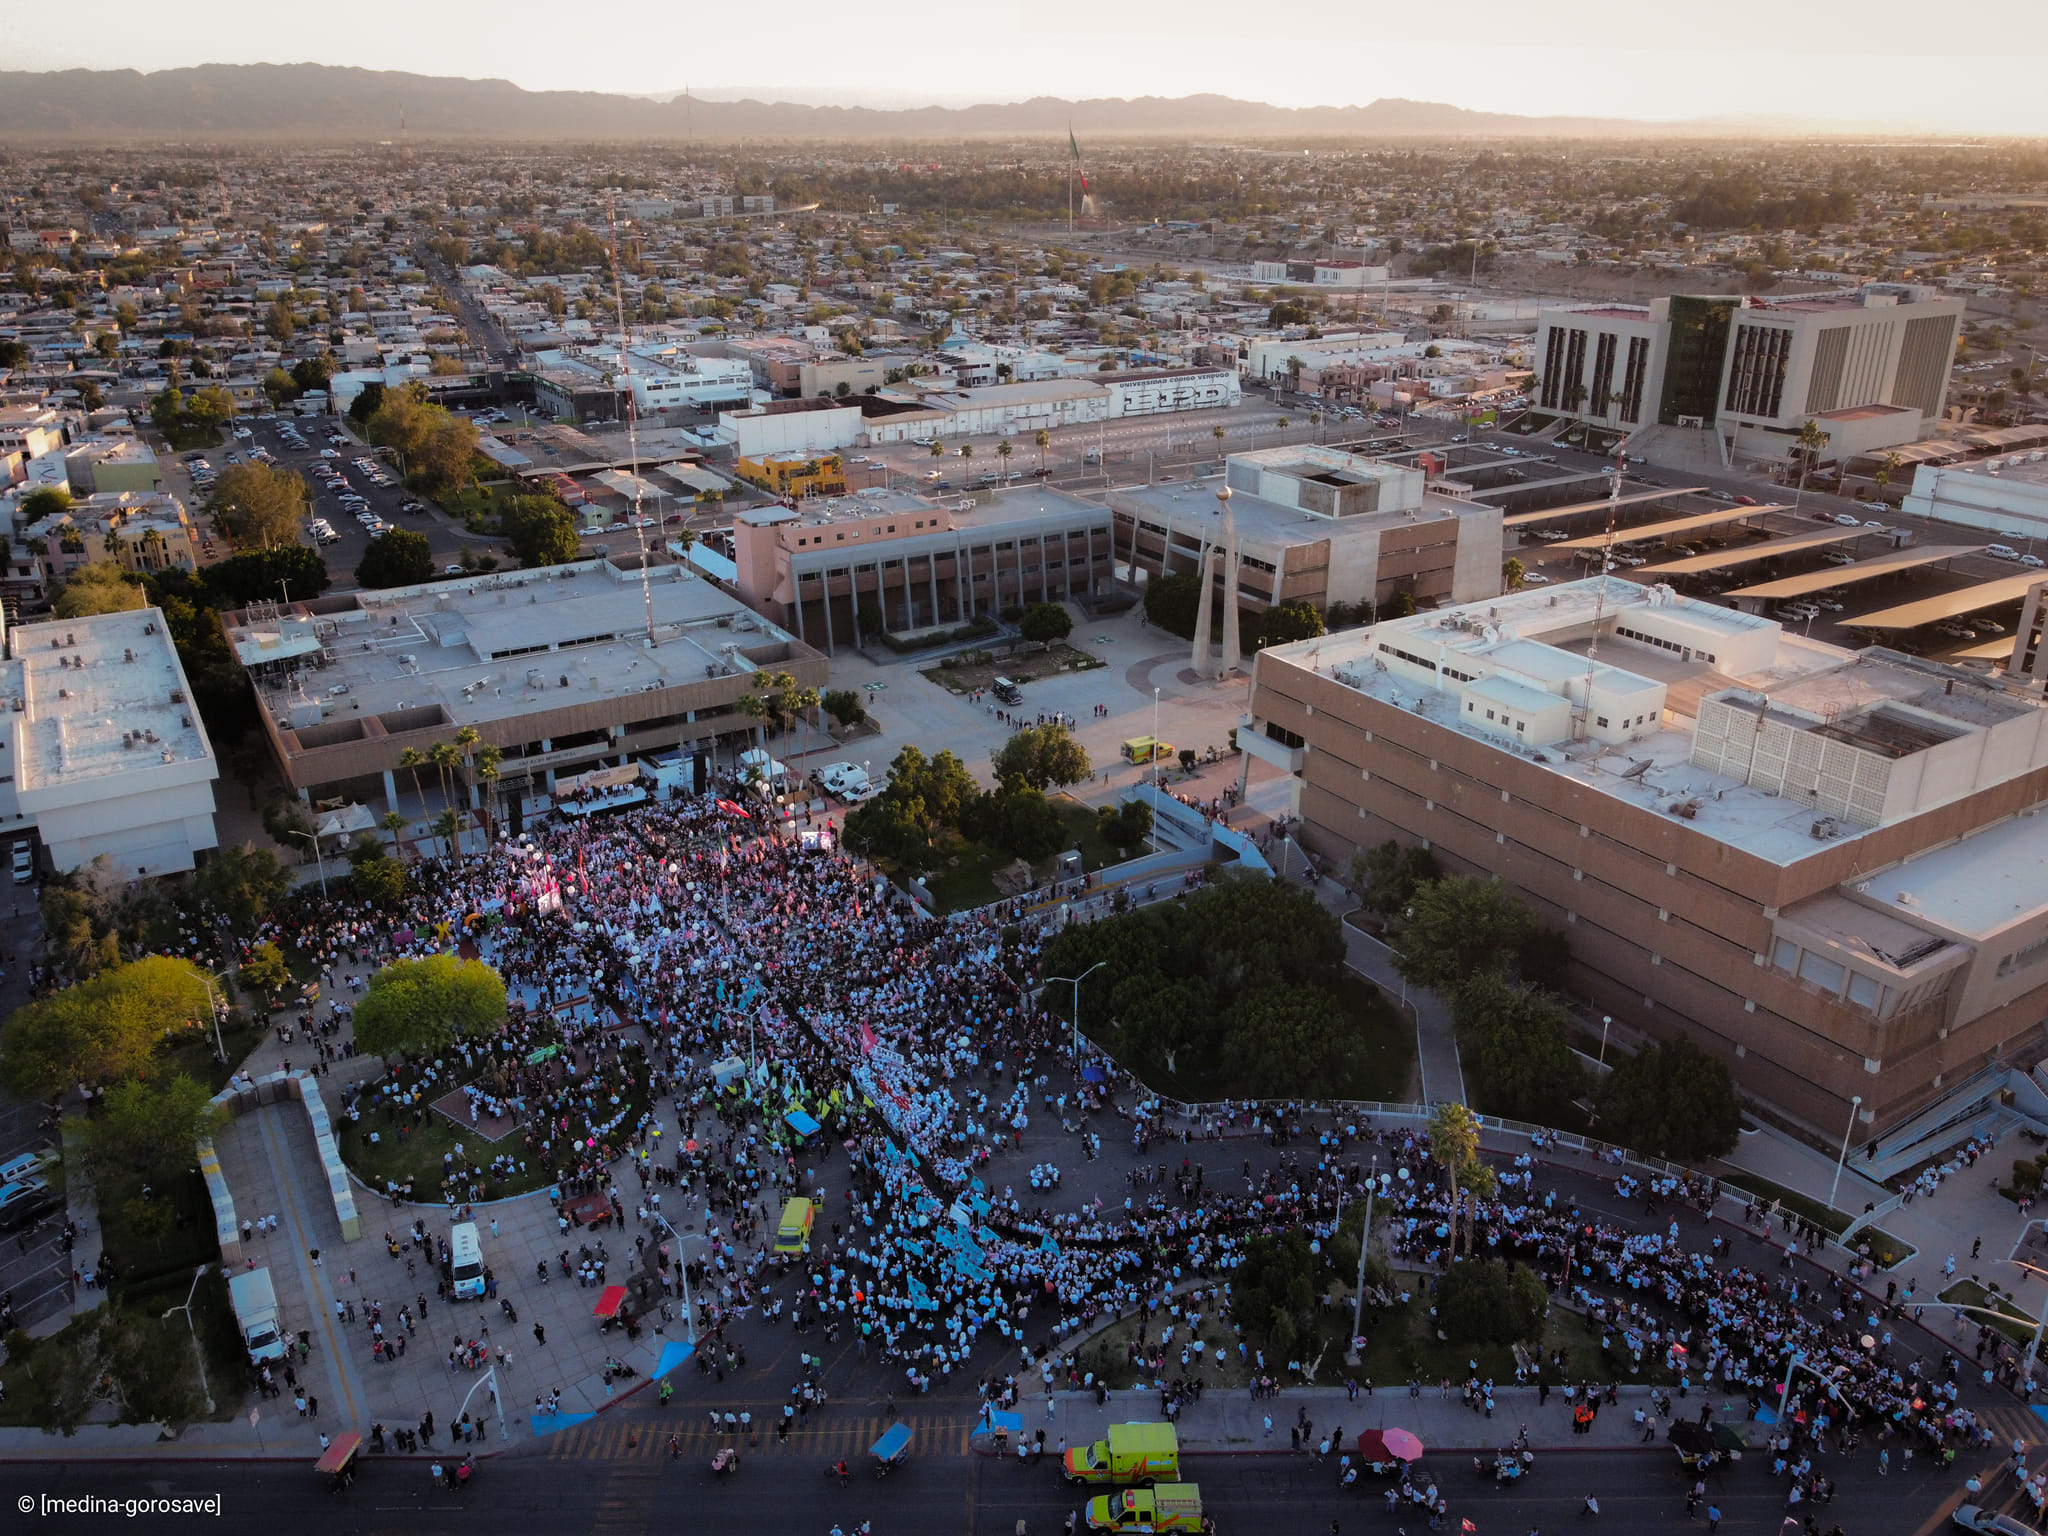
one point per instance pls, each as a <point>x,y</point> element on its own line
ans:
<point>954,1495</point>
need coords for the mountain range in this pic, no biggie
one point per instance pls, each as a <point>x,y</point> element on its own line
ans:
<point>319,101</point>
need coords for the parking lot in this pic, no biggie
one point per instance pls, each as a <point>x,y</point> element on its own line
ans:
<point>338,487</point>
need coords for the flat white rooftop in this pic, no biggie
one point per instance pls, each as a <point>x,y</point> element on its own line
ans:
<point>90,711</point>
<point>1976,885</point>
<point>1652,771</point>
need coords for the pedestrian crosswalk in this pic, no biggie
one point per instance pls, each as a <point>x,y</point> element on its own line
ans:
<point>2009,1421</point>
<point>826,1439</point>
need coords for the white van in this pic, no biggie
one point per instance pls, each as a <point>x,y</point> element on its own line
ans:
<point>255,1304</point>
<point>2001,552</point>
<point>465,1261</point>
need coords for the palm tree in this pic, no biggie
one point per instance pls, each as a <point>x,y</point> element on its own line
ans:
<point>1887,466</point>
<point>967,450</point>
<point>1811,439</point>
<point>1217,432</point>
<point>1454,1142</point>
<point>415,759</point>
<point>1003,452</point>
<point>938,449</point>
<point>485,770</point>
<point>1043,439</point>
<point>755,708</point>
<point>446,758</point>
<point>395,822</point>
<point>448,826</point>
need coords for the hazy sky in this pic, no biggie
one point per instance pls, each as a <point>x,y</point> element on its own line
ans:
<point>1880,60</point>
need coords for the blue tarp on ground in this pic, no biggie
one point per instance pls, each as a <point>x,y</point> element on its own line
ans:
<point>801,1123</point>
<point>672,1356</point>
<point>548,1423</point>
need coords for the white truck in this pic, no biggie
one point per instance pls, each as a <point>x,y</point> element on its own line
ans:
<point>256,1313</point>
<point>846,781</point>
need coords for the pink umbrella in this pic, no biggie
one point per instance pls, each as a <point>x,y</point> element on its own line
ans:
<point>1389,1445</point>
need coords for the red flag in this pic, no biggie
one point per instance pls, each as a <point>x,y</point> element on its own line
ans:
<point>867,1040</point>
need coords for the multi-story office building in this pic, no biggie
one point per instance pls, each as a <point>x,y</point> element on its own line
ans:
<point>916,564</point>
<point>1319,526</point>
<point>1829,869</point>
<point>1755,369</point>
<point>564,669</point>
<point>106,757</point>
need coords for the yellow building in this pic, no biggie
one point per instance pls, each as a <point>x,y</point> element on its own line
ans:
<point>795,475</point>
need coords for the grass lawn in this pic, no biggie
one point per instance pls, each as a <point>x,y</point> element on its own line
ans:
<point>1401,1344</point>
<point>186,1242</point>
<point>964,876</point>
<point>191,1052</point>
<point>186,439</point>
<point>2011,1321</point>
<point>1885,1249</point>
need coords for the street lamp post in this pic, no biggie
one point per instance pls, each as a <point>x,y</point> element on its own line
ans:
<point>1855,1103</point>
<point>1077,980</point>
<point>198,1355</point>
<point>1372,1188</point>
<point>1606,1019</point>
<point>319,862</point>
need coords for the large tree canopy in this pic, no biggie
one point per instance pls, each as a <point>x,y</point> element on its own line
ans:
<point>414,1006</point>
<point>1672,1101</point>
<point>103,1029</point>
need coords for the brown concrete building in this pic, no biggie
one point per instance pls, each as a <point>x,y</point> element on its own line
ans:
<point>920,563</point>
<point>1830,870</point>
<point>554,667</point>
<point>1320,526</point>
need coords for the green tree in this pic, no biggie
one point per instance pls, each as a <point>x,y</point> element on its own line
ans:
<point>844,705</point>
<point>1124,827</point>
<point>150,1358</point>
<point>102,1029</point>
<point>265,971</point>
<point>379,882</point>
<point>1458,927</point>
<point>540,530</point>
<point>1173,602</point>
<point>259,506</point>
<point>293,571</point>
<point>922,795</point>
<point>1484,1301</point>
<point>167,410</point>
<point>1387,875</point>
<point>1039,757</point>
<point>148,1127</point>
<point>278,387</point>
<point>1811,439</point>
<point>1516,1044</point>
<point>1046,623</point>
<point>1017,819</point>
<point>416,1006</point>
<point>397,557</point>
<point>402,422</point>
<point>1289,622</point>
<point>368,401</point>
<point>101,587</point>
<point>243,884</point>
<point>279,322</point>
<point>1672,1101</point>
<point>50,501</point>
<point>445,456</point>
<point>1512,572</point>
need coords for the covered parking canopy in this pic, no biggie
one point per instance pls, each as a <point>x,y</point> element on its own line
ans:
<point>1521,519</point>
<point>1892,560</point>
<point>1671,528</point>
<point>1948,605</point>
<point>1715,559</point>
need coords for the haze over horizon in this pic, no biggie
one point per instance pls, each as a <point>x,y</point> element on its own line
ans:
<point>1777,59</point>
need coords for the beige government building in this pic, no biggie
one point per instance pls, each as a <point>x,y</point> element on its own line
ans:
<point>1829,869</point>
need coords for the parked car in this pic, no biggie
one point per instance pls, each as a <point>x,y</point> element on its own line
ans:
<point>1991,1522</point>
<point>24,1201</point>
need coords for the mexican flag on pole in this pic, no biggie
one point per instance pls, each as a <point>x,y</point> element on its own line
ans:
<point>1075,146</point>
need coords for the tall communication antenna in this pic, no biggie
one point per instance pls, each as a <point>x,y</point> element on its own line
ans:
<point>1585,709</point>
<point>632,429</point>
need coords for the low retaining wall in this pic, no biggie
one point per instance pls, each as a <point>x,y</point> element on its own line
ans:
<point>274,1088</point>
<point>225,1229</point>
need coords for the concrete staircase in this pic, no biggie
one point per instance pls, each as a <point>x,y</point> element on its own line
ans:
<point>1696,450</point>
<point>1974,1106</point>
